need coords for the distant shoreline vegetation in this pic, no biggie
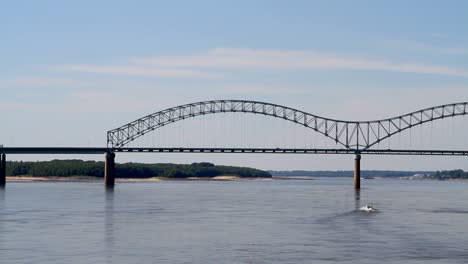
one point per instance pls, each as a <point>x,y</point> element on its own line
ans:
<point>364,173</point>
<point>75,167</point>
<point>436,175</point>
<point>450,174</point>
<point>64,168</point>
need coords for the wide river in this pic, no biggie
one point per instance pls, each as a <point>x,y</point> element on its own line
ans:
<point>256,221</point>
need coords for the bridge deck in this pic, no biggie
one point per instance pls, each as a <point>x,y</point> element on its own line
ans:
<point>102,150</point>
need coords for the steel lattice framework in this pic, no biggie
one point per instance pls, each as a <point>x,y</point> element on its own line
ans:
<point>353,135</point>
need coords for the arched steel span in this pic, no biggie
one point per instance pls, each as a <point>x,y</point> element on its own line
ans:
<point>356,135</point>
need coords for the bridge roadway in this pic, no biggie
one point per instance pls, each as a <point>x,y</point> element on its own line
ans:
<point>103,150</point>
<point>109,167</point>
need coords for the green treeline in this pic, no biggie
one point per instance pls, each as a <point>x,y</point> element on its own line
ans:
<point>450,174</point>
<point>364,173</point>
<point>62,168</point>
<point>439,175</point>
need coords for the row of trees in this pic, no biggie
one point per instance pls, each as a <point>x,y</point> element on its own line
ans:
<point>364,173</point>
<point>128,170</point>
<point>451,174</point>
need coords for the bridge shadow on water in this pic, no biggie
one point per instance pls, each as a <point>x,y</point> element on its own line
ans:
<point>2,199</point>
<point>2,214</point>
<point>109,236</point>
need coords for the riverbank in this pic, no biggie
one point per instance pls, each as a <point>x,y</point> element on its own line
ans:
<point>70,168</point>
<point>51,178</point>
<point>151,179</point>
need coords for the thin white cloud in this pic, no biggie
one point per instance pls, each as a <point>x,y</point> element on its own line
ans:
<point>87,101</point>
<point>138,70</point>
<point>421,47</point>
<point>227,58</point>
<point>209,64</point>
<point>39,82</point>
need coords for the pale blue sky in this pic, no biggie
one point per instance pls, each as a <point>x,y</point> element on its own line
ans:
<point>71,70</point>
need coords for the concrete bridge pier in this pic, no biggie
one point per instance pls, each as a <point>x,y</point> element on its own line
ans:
<point>357,171</point>
<point>3,170</point>
<point>109,169</point>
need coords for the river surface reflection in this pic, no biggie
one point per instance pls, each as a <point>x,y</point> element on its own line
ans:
<point>279,221</point>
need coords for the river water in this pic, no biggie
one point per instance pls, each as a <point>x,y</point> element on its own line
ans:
<point>256,221</point>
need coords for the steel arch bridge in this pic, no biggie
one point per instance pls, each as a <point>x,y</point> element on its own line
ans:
<point>353,135</point>
<point>357,137</point>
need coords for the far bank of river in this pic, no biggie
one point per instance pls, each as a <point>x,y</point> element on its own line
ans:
<point>69,169</point>
<point>27,178</point>
<point>150,179</point>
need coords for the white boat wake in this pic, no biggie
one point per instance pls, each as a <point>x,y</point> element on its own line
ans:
<point>368,208</point>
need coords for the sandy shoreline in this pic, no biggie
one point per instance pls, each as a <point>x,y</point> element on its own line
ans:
<point>153,179</point>
<point>157,179</point>
<point>49,179</point>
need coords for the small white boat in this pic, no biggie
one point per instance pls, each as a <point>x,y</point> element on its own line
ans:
<point>368,208</point>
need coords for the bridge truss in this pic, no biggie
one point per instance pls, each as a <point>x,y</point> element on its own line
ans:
<point>352,135</point>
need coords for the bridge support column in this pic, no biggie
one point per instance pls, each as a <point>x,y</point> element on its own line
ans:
<point>109,169</point>
<point>357,171</point>
<point>3,170</point>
